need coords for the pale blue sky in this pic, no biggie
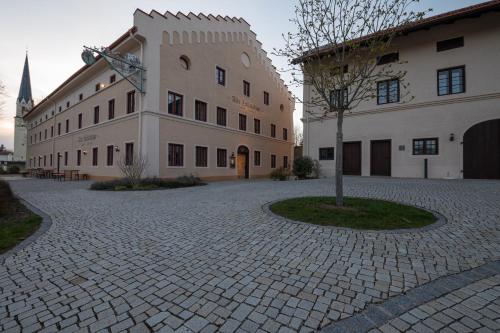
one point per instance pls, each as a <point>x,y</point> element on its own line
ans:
<point>55,31</point>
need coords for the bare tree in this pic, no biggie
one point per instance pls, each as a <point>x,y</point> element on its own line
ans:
<point>133,168</point>
<point>298,136</point>
<point>337,49</point>
<point>3,96</point>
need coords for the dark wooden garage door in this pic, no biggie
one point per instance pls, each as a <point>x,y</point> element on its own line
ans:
<point>380,160</point>
<point>482,151</point>
<point>352,158</point>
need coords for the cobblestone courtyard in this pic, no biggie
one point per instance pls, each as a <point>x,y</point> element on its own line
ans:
<point>211,259</point>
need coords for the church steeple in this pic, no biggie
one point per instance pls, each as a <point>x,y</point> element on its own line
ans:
<point>25,88</point>
<point>24,104</point>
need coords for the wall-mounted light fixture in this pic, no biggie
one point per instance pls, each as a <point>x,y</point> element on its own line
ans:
<point>452,137</point>
<point>117,149</point>
<point>232,161</point>
<point>84,152</point>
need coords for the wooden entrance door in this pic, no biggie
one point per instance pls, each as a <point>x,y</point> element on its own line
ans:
<point>352,158</point>
<point>482,151</point>
<point>380,159</point>
<point>242,162</point>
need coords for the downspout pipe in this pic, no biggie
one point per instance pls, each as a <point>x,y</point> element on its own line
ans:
<point>139,139</point>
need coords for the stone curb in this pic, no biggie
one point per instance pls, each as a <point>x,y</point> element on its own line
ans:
<point>376,315</point>
<point>44,226</point>
<point>441,220</point>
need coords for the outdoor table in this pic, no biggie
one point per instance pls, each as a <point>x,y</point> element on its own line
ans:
<point>58,176</point>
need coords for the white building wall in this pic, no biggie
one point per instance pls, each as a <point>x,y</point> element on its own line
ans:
<point>427,115</point>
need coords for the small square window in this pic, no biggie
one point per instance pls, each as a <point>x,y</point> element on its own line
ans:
<point>339,98</point>
<point>451,81</point>
<point>327,154</point>
<point>388,92</point>
<point>426,146</point>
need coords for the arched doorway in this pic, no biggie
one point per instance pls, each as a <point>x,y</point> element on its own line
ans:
<point>243,163</point>
<point>482,151</point>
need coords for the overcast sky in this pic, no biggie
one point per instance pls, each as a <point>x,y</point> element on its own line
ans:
<point>55,31</point>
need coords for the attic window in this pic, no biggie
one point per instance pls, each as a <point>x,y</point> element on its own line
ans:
<point>80,97</point>
<point>67,104</point>
<point>185,62</point>
<point>282,108</point>
<point>388,58</point>
<point>450,44</point>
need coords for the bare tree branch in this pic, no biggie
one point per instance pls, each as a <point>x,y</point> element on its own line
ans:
<point>336,47</point>
<point>3,97</point>
<point>298,136</point>
<point>133,168</point>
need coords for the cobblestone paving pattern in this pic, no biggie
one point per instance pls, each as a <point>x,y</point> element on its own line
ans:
<point>210,259</point>
<point>475,308</point>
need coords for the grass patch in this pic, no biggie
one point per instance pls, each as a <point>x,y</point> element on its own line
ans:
<point>16,221</point>
<point>367,214</point>
<point>147,184</point>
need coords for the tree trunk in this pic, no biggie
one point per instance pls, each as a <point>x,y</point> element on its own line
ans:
<point>339,172</point>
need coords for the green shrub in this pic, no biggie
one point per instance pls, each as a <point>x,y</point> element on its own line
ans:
<point>13,169</point>
<point>303,167</point>
<point>280,174</point>
<point>146,184</point>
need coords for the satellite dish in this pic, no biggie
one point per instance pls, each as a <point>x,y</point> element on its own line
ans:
<point>88,57</point>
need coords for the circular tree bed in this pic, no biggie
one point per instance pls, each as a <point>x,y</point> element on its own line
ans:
<point>357,213</point>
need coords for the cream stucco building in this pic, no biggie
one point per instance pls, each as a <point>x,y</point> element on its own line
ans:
<point>451,129</point>
<point>211,97</point>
